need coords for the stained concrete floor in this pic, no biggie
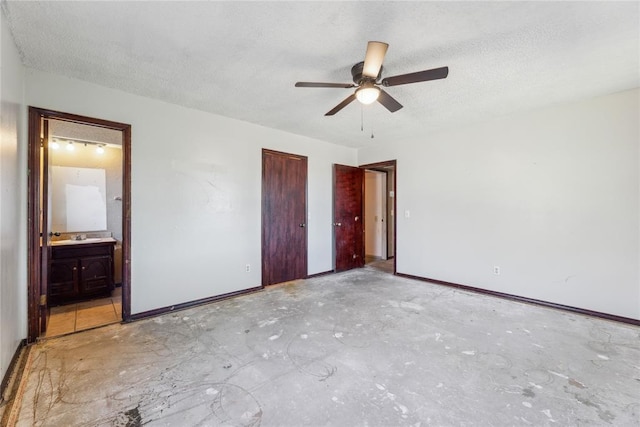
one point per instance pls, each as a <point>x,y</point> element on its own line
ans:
<point>360,348</point>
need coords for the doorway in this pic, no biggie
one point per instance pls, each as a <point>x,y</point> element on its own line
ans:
<point>79,193</point>
<point>380,219</point>
<point>284,217</point>
<point>375,215</point>
<point>350,217</point>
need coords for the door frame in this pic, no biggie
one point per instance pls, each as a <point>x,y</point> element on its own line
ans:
<point>386,166</point>
<point>34,270</point>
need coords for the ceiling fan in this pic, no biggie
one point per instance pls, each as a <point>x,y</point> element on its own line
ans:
<point>366,76</point>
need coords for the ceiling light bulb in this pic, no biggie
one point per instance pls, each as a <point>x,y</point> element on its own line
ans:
<point>100,149</point>
<point>70,146</point>
<point>55,145</point>
<point>367,93</point>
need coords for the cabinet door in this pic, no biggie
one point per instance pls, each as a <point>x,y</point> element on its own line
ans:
<point>95,275</point>
<point>62,278</point>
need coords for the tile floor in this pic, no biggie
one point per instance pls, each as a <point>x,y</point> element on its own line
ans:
<point>85,315</point>
<point>383,265</point>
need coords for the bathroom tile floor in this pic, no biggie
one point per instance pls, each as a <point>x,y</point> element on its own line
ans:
<point>383,265</point>
<point>85,315</point>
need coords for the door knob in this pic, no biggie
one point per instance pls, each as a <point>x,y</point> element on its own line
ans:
<point>303,225</point>
<point>337,224</point>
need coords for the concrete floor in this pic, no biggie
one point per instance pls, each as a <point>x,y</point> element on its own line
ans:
<point>360,348</point>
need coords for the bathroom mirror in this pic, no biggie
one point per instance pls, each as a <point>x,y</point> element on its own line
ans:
<point>86,159</point>
<point>78,199</point>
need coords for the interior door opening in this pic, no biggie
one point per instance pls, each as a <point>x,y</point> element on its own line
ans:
<point>379,214</point>
<point>375,215</point>
<point>79,223</point>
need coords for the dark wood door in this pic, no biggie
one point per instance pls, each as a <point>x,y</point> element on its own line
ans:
<point>284,213</point>
<point>63,280</point>
<point>347,217</point>
<point>95,275</point>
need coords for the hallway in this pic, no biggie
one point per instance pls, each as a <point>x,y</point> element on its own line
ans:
<point>355,348</point>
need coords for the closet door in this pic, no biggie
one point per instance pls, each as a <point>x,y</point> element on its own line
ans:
<point>284,213</point>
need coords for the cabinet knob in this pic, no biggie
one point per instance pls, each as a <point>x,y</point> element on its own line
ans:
<point>75,268</point>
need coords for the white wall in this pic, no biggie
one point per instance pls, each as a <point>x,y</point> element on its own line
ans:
<point>196,184</point>
<point>13,305</point>
<point>550,196</point>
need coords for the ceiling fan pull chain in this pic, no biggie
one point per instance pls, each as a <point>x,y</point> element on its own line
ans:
<point>361,118</point>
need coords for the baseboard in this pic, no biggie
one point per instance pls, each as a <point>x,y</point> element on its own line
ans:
<point>190,304</point>
<point>518,298</point>
<point>324,273</point>
<point>10,368</point>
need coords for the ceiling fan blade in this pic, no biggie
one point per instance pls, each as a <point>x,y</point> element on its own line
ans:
<point>314,84</point>
<point>420,76</point>
<point>388,101</point>
<point>373,59</point>
<point>348,100</point>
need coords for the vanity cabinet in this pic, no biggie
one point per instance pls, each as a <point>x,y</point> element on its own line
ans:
<point>80,271</point>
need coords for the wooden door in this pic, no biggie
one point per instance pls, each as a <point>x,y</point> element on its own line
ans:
<point>284,213</point>
<point>63,280</point>
<point>348,222</point>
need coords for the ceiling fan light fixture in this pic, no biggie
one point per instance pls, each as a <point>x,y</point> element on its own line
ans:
<point>368,81</point>
<point>367,94</point>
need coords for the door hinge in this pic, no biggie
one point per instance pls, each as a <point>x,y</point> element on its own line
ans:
<point>43,300</point>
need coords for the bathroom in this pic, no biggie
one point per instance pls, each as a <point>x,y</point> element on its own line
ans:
<point>84,217</point>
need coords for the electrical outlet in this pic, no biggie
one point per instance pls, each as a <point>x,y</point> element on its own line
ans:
<point>247,268</point>
<point>496,270</point>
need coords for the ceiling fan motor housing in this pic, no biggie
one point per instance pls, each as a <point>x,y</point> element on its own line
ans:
<point>358,78</point>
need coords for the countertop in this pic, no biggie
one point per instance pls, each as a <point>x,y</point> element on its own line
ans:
<point>83,242</point>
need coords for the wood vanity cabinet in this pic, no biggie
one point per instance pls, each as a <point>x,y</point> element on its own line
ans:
<point>80,271</point>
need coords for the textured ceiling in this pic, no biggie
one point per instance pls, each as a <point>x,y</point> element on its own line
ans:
<point>241,59</point>
<point>75,131</point>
